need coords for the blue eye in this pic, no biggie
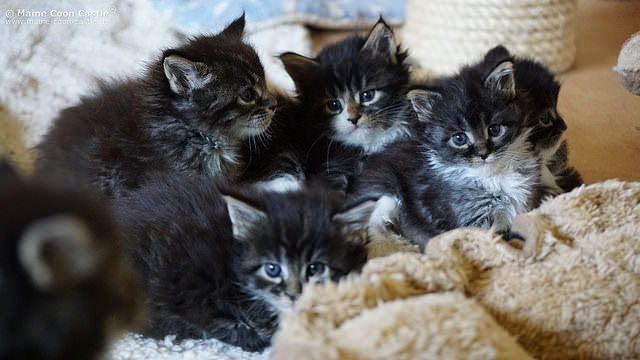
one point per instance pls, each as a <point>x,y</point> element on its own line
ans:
<point>334,105</point>
<point>367,96</point>
<point>272,270</point>
<point>494,130</point>
<point>459,139</point>
<point>315,268</point>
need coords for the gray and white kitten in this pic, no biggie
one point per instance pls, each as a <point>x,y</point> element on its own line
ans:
<point>223,262</point>
<point>350,103</point>
<point>195,111</point>
<point>472,166</point>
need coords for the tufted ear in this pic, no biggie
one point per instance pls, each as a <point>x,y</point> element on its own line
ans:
<point>244,218</point>
<point>235,29</point>
<point>381,41</point>
<point>303,70</point>
<point>58,251</point>
<point>353,220</point>
<point>184,75</point>
<point>501,80</point>
<point>422,102</point>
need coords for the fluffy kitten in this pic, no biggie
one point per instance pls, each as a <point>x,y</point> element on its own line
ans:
<point>472,166</point>
<point>352,103</point>
<point>193,111</point>
<point>538,96</point>
<point>220,262</point>
<point>66,289</point>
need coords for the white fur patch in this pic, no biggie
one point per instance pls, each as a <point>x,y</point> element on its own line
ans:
<point>385,212</point>
<point>282,184</point>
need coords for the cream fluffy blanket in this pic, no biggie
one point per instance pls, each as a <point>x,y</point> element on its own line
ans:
<point>571,291</point>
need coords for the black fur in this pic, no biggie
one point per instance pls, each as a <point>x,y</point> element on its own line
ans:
<point>202,271</point>
<point>185,114</point>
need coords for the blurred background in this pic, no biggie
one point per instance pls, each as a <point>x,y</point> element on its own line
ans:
<point>53,52</point>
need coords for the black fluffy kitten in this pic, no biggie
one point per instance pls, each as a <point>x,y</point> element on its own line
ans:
<point>193,112</point>
<point>472,166</point>
<point>352,102</point>
<point>224,263</point>
<point>66,286</point>
<point>538,96</point>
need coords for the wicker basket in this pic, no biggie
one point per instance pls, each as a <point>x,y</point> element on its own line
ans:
<point>442,35</point>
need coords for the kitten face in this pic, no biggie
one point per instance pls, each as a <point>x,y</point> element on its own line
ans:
<point>312,248</point>
<point>477,124</point>
<point>222,90</point>
<point>355,87</point>
<point>538,96</point>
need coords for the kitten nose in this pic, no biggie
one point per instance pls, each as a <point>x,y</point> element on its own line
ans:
<point>484,156</point>
<point>354,120</point>
<point>292,297</point>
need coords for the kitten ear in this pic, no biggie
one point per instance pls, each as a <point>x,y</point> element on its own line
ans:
<point>235,30</point>
<point>301,68</point>
<point>501,80</point>
<point>244,217</point>
<point>184,75</point>
<point>381,41</point>
<point>497,54</point>
<point>58,251</point>
<point>354,219</point>
<point>422,102</point>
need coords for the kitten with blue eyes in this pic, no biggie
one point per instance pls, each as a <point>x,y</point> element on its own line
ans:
<point>221,262</point>
<point>196,110</point>
<point>473,165</point>
<point>351,103</point>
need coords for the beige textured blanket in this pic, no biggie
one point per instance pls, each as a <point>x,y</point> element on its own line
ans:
<point>570,291</point>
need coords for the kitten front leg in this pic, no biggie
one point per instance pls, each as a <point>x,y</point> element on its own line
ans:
<point>384,219</point>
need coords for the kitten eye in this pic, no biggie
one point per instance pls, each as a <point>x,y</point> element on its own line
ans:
<point>459,139</point>
<point>495,130</point>
<point>367,96</point>
<point>272,270</point>
<point>315,269</point>
<point>334,106</point>
<point>545,119</point>
<point>247,96</point>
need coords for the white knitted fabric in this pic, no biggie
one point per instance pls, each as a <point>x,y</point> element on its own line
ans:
<point>444,35</point>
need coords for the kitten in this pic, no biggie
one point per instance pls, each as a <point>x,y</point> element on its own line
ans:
<point>66,289</point>
<point>472,166</point>
<point>195,111</point>
<point>538,94</point>
<point>222,263</point>
<point>352,103</point>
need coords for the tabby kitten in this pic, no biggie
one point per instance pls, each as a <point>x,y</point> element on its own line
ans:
<point>352,101</point>
<point>472,166</point>
<point>220,262</point>
<point>66,289</point>
<point>194,111</point>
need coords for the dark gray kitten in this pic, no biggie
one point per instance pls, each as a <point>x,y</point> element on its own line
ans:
<point>351,103</point>
<point>194,111</point>
<point>538,96</point>
<point>472,166</point>
<point>66,286</point>
<point>220,262</point>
